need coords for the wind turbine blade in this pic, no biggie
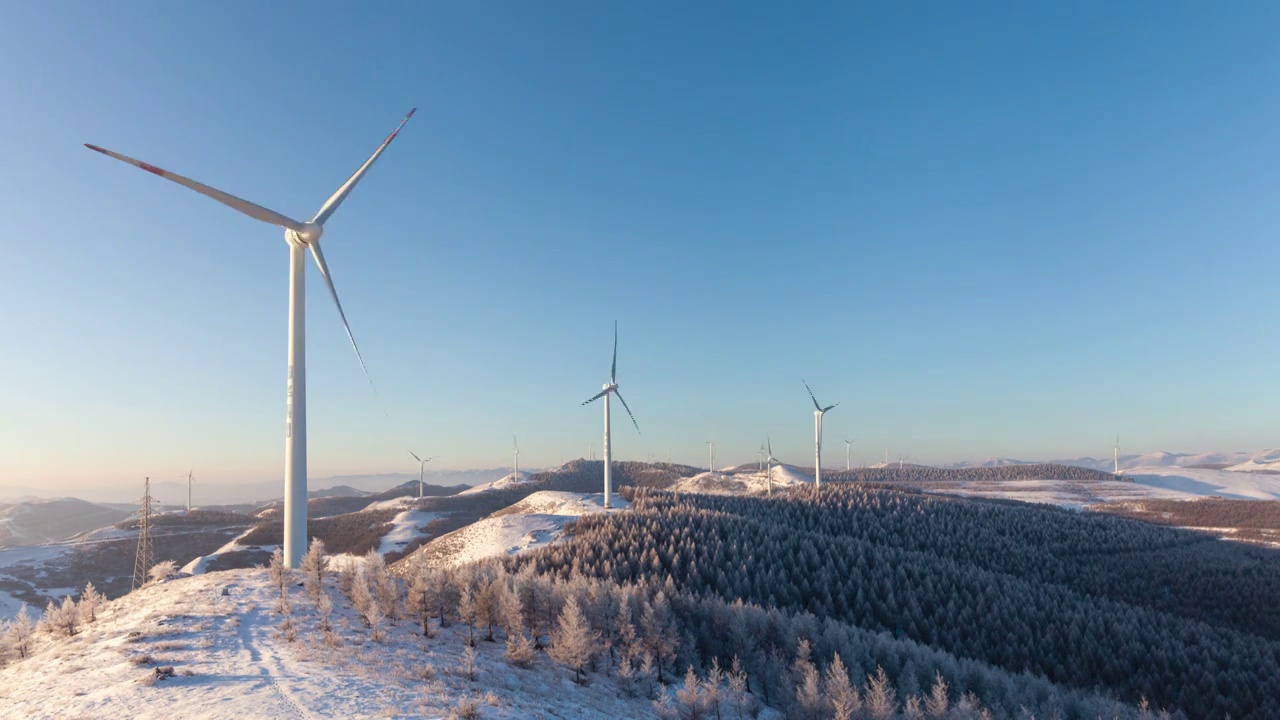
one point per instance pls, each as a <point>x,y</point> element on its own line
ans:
<point>828,407</point>
<point>415,456</point>
<point>624,405</point>
<point>811,397</point>
<point>257,212</point>
<point>613,372</point>
<point>770,446</point>
<point>333,293</point>
<point>514,443</point>
<point>597,396</point>
<point>336,199</point>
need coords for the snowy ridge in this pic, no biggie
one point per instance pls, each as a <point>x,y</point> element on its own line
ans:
<point>508,481</point>
<point>230,662</point>
<point>535,521</point>
<point>1266,460</point>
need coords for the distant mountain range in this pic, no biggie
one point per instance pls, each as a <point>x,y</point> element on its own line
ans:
<point>1263,460</point>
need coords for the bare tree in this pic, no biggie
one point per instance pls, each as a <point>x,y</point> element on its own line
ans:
<point>808,683</point>
<point>937,705</point>
<point>162,571</point>
<point>314,565</point>
<point>19,632</point>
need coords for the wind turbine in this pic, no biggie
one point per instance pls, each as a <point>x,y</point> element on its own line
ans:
<point>901,458</point>
<point>760,458</point>
<point>611,388</point>
<point>422,464</point>
<point>515,476</point>
<point>1116,455</point>
<point>299,236</point>
<point>770,459</point>
<point>711,456</point>
<point>190,479</point>
<point>848,446</point>
<point>818,412</point>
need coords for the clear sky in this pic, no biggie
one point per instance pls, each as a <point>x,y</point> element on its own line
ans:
<point>985,229</point>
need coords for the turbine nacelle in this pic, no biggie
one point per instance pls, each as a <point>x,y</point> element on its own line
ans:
<point>310,232</point>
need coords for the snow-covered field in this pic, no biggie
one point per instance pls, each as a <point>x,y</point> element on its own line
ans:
<point>537,520</point>
<point>1143,483</point>
<point>230,662</point>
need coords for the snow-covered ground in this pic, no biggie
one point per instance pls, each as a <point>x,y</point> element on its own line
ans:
<point>742,483</point>
<point>511,480</point>
<point>230,662</point>
<point>1265,460</point>
<point>537,520</point>
<point>1144,483</point>
<point>404,530</point>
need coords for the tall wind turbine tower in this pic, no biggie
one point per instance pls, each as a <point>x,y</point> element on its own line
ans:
<point>146,556</point>
<point>711,457</point>
<point>611,388</point>
<point>422,465</point>
<point>818,412</point>
<point>848,447</point>
<point>760,459</point>
<point>299,236</point>
<point>515,474</point>
<point>1116,455</point>
<point>190,479</point>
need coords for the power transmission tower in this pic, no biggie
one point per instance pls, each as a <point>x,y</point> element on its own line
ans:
<point>146,556</point>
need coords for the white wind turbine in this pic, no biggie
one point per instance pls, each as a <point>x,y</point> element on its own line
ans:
<point>848,447</point>
<point>422,466</point>
<point>611,388</point>
<point>770,459</point>
<point>818,412</point>
<point>299,236</point>
<point>1116,455</point>
<point>191,478</point>
<point>711,456</point>
<point>515,474</point>
<point>760,458</point>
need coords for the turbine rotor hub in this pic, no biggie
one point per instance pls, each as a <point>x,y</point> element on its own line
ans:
<point>310,233</point>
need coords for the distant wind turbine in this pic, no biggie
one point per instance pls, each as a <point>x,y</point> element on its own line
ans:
<point>611,388</point>
<point>1116,455</point>
<point>770,459</point>
<point>818,412</point>
<point>422,464</point>
<point>191,478</point>
<point>848,446</point>
<point>760,458</point>
<point>515,475</point>
<point>299,236</point>
<point>711,457</point>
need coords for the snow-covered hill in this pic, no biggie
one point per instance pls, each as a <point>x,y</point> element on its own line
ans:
<point>40,521</point>
<point>535,521</point>
<point>1264,461</point>
<point>741,483</point>
<point>220,636</point>
<point>1190,483</point>
<point>508,481</point>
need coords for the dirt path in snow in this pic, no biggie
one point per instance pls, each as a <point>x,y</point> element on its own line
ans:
<point>269,667</point>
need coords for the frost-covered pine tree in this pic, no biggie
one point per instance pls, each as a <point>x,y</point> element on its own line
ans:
<point>808,686</point>
<point>90,602</point>
<point>18,635</point>
<point>314,565</point>
<point>881,700</point>
<point>421,597</point>
<point>573,641</point>
<point>840,693</point>
<point>660,638</point>
<point>938,704</point>
<point>278,572</point>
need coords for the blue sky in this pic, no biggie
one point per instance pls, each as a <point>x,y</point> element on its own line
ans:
<point>997,229</point>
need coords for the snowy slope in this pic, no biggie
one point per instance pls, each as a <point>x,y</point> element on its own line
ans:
<point>232,663</point>
<point>1264,460</point>
<point>537,520</point>
<point>1191,483</point>
<point>508,481</point>
<point>743,483</point>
